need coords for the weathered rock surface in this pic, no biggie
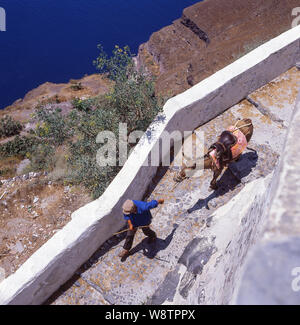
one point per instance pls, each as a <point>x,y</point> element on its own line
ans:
<point>272,274</point>
<point>31,211</point>
<point>209,36</point>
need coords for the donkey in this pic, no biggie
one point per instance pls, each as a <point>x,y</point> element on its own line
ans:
<point>228,148</point>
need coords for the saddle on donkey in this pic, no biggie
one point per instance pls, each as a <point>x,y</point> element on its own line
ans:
<point>230,145</point>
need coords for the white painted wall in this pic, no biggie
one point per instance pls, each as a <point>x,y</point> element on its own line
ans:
<point>235,228</point>
<point>57,260</point>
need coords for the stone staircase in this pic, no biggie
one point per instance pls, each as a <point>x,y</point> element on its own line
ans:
<point>151,274</point>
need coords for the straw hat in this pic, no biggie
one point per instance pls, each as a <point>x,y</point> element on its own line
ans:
<point>128,207</point>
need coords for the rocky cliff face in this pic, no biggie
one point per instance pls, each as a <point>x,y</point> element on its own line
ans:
<point>210,35</point>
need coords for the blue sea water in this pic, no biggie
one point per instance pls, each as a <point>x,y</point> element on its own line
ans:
<point>56,40</point>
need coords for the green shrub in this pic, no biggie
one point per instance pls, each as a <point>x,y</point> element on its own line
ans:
<point>83,105</point>
<point>9,127</point>
<point>43,157</point>
<point>19,146</point>
<point>52,126</point>
<point>4,171</point>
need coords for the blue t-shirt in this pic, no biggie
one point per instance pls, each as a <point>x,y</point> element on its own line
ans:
<point>143,216</point>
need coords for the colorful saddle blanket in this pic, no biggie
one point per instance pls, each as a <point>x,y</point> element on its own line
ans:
<point>241,143</point>
<point>236,149</point>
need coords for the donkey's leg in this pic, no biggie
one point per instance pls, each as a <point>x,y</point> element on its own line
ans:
<point>182,171</point>
<point>189,165</point>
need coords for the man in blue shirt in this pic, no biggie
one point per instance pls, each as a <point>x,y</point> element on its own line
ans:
<point>137,214</point>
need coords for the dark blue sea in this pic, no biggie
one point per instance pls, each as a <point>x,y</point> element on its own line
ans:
<point>56,40</point>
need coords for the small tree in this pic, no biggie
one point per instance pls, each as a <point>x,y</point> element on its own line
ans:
<point>9,127</point>
<point>133,97</point>
<point>117,67</point>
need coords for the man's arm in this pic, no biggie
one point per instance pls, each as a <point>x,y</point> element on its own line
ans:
<point>152,204</point>
<point>126,217</point>
<point>130,224</point>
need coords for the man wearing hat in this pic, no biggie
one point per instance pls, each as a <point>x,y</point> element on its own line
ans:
<point>137,214</point>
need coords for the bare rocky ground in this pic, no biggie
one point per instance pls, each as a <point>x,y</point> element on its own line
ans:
<point>32,209</point>
<point>150,275</point>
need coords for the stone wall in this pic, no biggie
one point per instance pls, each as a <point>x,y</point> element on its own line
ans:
<point>271,274</point>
